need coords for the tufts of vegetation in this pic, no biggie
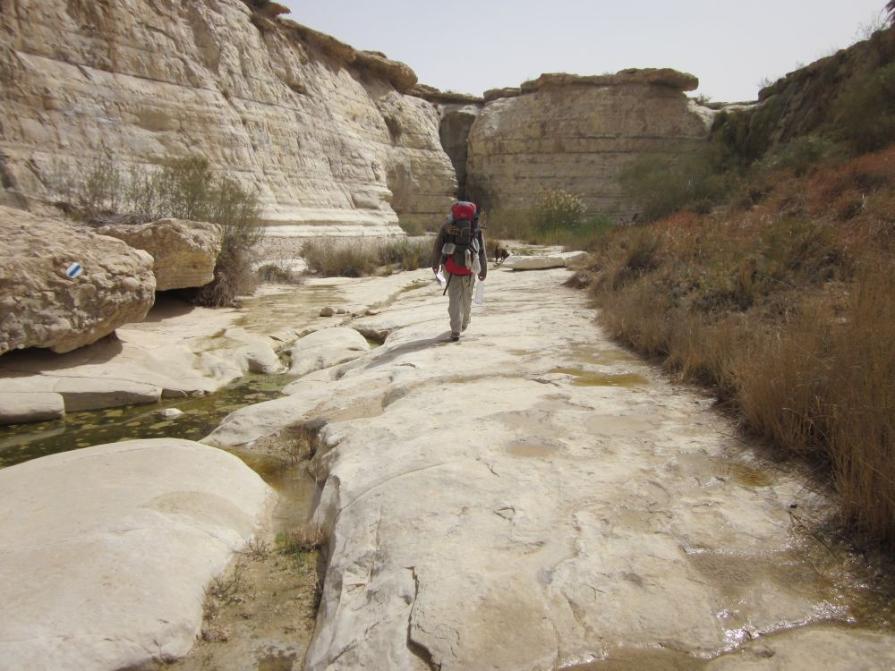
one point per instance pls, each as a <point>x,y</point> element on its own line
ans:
<point>279,274</point>
<point>865,110</point>
<point>786,308</point>
<point>353,258</point>
<point>557,218</point>
<point>695,179</point>
<point>182,189</point>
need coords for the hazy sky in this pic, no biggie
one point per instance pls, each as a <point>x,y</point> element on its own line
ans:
<point>473,45</point>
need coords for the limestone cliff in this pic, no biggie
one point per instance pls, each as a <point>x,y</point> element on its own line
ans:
<point>578,133</point>
<point>325,134</point>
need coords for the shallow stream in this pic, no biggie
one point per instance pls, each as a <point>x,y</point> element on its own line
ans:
<point>97,427</point>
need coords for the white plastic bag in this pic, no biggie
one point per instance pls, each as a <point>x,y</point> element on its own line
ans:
<point>479,298</point>
<point>440,277</point>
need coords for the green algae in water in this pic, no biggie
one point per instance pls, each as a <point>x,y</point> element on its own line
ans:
<point>585,378</point>
<point>201,415</point>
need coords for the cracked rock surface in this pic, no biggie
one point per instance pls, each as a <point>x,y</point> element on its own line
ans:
<point>533,497</point>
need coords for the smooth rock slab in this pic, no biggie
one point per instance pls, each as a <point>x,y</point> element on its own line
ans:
<point>326,348</point>
<point>85,393</point>
<point>534,498</point>
<point>24,408</point>
<point>543,262</point>
<point>105,552</point>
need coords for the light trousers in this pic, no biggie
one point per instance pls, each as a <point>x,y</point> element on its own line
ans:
<point>460,304</point>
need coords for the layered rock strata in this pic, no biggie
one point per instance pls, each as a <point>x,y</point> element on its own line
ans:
<point>105,552</point>
<point>577,133</point>
<point>323,133</point>
<point>184,252</point>
<point>42,306</point>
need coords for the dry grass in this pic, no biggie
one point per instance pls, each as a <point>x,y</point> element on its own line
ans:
<point>359,258</point>
<point>787,309</point>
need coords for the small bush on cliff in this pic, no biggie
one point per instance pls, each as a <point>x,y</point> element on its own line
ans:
<point>865,110</point>
<point>183,189</point>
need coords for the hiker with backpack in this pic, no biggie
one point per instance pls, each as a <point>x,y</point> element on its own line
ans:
<point>460,248</point>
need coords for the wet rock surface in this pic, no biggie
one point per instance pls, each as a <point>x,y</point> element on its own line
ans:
<point>105,552</point>
<point>533,497</point>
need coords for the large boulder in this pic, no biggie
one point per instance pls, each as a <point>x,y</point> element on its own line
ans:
<point>105,552</point>
<point>41,306</point>
<point>184,251</point>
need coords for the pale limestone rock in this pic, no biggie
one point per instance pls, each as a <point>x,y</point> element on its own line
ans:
<point>296,116</point>
<point>184,252</point>
<point>22,408</point>
<point>543,262</point>
<point>326,348</point>
<point>578,133</point>
<point>456,122</point>
<point>182,350</point>
<point>537,486</point>
<point>106,551</point>
<point>261,358</point>
<point>41,307</point>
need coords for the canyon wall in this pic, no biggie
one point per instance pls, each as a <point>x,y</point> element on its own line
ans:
<point>577,134</point>
<point>326,135</point>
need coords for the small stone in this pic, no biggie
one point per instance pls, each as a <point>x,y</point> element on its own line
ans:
<point>327,312</point>
<point>171,413</point>
<point>215,634</point>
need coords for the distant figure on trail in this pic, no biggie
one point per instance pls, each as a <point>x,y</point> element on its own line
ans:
<point>460,248</point>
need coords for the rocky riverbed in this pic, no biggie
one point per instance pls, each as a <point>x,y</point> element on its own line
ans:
<point>532,497</point>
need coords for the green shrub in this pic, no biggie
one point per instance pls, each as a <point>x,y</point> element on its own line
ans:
<point>558,218</point>
<point>800,154</point>
<point>662,185</point>
<point>557,212</point>
<point>183,189</point>
<point>865,110</point>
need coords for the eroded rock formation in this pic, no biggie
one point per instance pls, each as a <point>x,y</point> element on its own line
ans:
<point>577,133</point>
<point>322,132</point>
<point>184,252</point>
<point>41,306</point>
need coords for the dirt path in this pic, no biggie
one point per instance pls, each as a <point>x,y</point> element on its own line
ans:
<point>533,497</point>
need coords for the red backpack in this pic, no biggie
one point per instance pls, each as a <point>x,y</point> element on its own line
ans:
<point>461,243</point>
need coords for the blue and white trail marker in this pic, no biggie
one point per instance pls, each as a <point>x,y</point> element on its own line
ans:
<point>74,270</point>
